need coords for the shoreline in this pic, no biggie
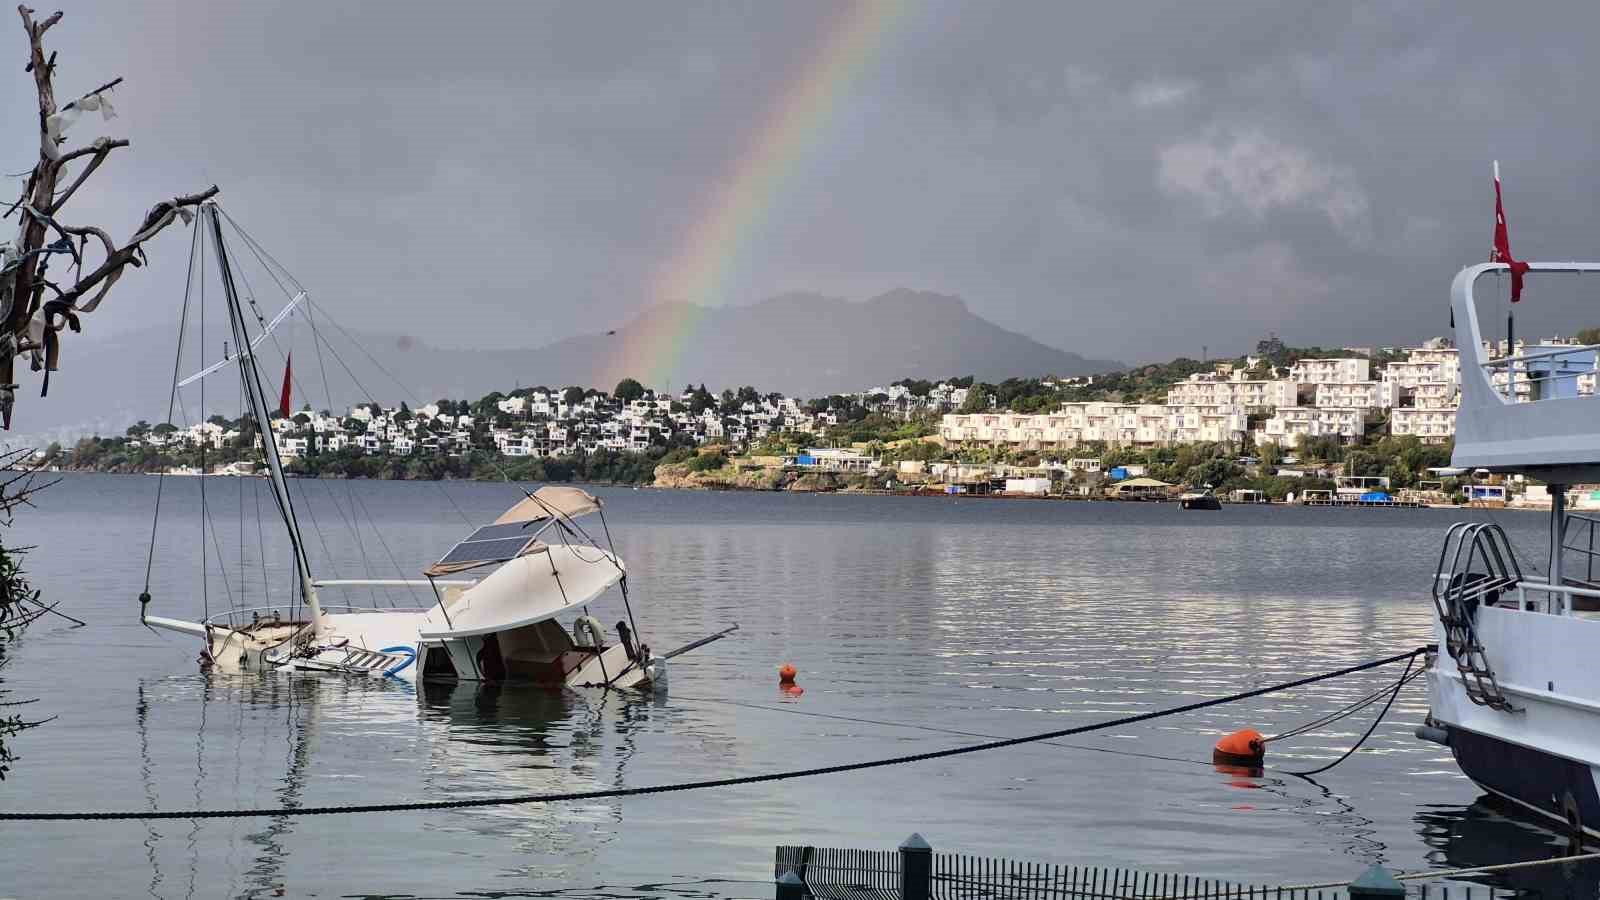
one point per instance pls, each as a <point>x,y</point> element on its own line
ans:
<point>722,486</point>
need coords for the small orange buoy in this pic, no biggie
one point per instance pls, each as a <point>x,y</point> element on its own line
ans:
<point>786,673</point>
<point>1245,747</point>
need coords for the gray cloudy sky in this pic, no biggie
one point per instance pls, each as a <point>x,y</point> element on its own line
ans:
<point>1127,180</point>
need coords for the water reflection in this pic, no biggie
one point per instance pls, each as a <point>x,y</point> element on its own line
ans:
<point>1490,832</point>
<point>1341,823</point>
<point>457,740</point>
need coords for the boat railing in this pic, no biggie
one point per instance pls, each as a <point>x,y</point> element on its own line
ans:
<point>288,613</point>
<point>1552,599</point>
<point>395,582</point>
<point>1511,374</point>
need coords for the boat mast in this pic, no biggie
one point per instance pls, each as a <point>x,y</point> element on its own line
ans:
<point>258,409</point>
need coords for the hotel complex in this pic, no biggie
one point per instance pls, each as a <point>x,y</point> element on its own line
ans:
<point>1313,398</point>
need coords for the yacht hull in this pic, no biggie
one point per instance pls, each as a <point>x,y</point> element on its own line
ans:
<point>1560,791</point>
<point>386,644</point>
<point>1543,757</point>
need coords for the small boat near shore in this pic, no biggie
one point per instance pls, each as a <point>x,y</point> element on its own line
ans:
<point>1204,498</point>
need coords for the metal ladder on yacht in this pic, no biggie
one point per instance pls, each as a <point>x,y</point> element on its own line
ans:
<point>359,661</point>
<point>1476,564</point>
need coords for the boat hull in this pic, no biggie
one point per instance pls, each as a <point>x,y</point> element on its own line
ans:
<point>386,644</point>
<point>1563,792</point>
<point>1544,756</point>
<point>1201,503</point>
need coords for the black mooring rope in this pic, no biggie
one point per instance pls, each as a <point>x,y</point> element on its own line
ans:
<point>520,799</point>
<point>1398,686</point>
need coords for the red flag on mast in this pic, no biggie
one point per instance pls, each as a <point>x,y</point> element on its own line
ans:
<point>283,401</point>
<point>1502,242</point>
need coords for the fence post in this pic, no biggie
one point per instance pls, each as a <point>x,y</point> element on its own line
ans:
<point>790,887</point>
<point>1376,884</point>
<point>916,868</point>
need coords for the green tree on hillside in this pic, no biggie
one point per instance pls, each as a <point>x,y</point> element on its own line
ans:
<point>628,390</point>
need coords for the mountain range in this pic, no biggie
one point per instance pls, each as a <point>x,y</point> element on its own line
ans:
<point>804,345</point>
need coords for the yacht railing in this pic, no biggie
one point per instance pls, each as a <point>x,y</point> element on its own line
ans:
<point>1511,376</point>
<point>395,582</point>
<point>1557,597</point>
<point>289,613</point>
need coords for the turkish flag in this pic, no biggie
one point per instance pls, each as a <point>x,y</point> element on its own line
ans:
<point>1502,243</point>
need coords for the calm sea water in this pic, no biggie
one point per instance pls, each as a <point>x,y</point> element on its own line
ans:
<point>991,616</point>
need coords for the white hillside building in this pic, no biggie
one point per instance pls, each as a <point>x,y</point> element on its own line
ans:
<point>1291,425</point>
<point>1330,371</point>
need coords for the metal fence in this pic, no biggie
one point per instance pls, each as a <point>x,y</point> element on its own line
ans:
<point>915,872</point>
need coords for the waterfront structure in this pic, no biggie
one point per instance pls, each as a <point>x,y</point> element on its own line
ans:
<point>832,460</point>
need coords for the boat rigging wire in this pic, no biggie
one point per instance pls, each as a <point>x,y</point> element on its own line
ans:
<point>268,262</point>
<point>788,775</point>
<point>172,402</point>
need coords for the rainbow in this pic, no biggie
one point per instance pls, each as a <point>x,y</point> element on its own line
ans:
<point>699,274</point>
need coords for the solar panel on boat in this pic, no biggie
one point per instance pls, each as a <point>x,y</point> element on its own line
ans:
<point>494,532</point>
<point>479,551</point>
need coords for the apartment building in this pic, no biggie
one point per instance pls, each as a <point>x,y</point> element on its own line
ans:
<point>1357,394</point>
<point>1291,425</point>
<point>1434,425</point>
<point>1208,389</point>
<point>1330,371</point>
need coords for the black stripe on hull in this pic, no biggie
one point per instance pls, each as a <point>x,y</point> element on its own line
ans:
<point>1537,781</point>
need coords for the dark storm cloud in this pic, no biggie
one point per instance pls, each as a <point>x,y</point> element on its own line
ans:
<point>1130,180</point>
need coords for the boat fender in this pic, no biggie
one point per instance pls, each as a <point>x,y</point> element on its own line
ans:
<point>588,632</point>
<point>1245,747</point>
<point>1433,734</point>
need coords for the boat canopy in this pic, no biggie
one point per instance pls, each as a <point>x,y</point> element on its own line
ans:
<point>525,591</point>
<point>550,501</point>
<point>512,535</point>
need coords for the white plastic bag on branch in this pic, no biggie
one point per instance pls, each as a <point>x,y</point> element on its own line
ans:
<point>57,125</point>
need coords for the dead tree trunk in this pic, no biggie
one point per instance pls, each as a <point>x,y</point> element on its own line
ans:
<point>31,320</point>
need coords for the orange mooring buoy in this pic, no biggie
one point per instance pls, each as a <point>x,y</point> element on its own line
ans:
<point>786,673</point>
<point>1245,747</point>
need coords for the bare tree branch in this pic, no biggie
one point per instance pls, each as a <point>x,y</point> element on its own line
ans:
<point>26,319</point>
<point>101,148</point>
<point>159,217</point>
<point>99,145</point>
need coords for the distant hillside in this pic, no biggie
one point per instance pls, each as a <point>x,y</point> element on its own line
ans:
<point>802,345</point>
<point>809,345</point>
